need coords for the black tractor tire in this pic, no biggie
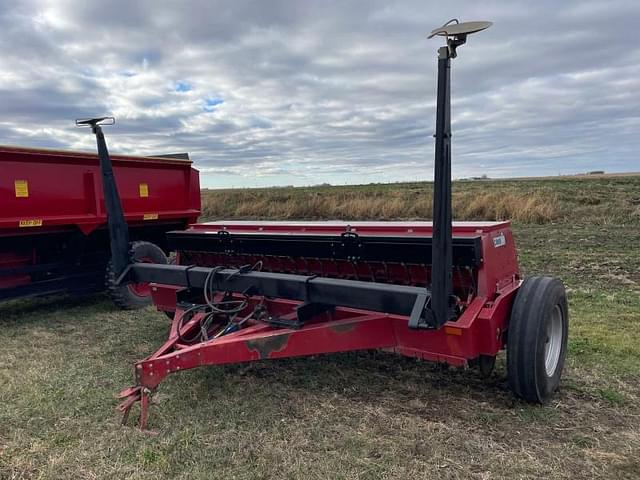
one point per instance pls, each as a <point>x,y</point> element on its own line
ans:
<point>537,339</point>
<point>130,297</point>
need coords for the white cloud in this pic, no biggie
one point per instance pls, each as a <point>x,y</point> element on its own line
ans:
<point>311,92</point>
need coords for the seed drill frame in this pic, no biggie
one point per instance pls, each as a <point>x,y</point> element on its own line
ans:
<point>246,291</point>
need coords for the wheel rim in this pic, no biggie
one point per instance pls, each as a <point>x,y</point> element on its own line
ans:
<point>553,342</point>
<point>141,289</point>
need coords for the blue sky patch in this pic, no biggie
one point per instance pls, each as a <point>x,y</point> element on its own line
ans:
<point>183,86</point>
<point>211,103</point>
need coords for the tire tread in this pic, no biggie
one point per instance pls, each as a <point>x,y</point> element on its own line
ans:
<point>119,295</point>
<point>535,299</point>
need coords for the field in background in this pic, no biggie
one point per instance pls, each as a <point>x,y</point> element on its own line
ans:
<point>360,415</point>
<point>600,200</point>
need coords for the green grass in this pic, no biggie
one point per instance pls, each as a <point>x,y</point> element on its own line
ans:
<point>612,396</point>
<point>363,415</point>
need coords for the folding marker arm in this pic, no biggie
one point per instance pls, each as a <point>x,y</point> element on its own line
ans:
<point>118,230</point>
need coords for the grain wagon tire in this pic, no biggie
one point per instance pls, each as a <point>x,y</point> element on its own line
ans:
<point>537,339</point>
<point>134,295</point>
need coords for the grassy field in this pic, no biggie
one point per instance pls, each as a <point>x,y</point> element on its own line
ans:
<point>602,200</point>
<point>360,415</point>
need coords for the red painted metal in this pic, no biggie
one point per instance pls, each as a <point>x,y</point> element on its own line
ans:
<point>479,330</point>
<point>64,190</point>
<point>499,264</point>
<point>48,196</point>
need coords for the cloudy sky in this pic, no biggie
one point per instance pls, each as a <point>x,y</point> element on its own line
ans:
<point>304,92</point>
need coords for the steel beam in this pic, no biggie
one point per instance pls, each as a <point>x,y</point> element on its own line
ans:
<point>376,297</point>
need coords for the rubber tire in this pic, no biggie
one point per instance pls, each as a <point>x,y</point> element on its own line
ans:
<point>526,373</point>
<point>121,295</point>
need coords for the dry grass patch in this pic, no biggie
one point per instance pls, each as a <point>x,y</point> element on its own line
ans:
<point>600,200</point>
<point>527,207</point>
<point>531,207</point>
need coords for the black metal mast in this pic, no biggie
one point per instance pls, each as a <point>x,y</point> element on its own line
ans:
<point>441,248</point>
<point>118,230</point>
<point>441,270</point>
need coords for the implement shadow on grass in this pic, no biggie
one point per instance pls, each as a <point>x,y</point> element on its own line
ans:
<point>33,310</point>
<point>367,378</point>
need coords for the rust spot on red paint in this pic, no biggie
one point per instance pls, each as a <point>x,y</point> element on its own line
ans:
<point>265,346</point>
<point>343,327</point>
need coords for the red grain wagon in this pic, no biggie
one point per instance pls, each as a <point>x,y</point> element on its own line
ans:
<point>53,219</point>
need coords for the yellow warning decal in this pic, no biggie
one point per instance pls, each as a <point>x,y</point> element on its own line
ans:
<point>22,188</point>
<point>150,216</point>
<point>33,222</point>
<point>144,190</point>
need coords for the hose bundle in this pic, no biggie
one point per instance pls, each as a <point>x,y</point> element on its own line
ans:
<point>227,308</point>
